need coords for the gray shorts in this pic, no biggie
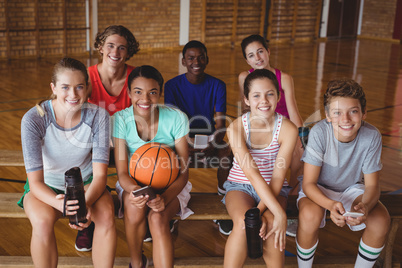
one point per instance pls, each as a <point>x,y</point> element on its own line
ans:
<point>249,189</point>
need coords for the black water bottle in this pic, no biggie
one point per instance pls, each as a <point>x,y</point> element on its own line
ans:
<point>253,223</point>
<point>303,134</point>
<point>75,191</point>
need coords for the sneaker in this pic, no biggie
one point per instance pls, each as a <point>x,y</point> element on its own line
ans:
<point>83,242</point>
<point>171,225</point>
<point>144,262</point>
<point>292,227</point>
<point>225,226</point>
<point>148,237</point>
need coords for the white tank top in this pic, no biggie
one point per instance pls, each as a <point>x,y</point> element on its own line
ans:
<point>264,158</point>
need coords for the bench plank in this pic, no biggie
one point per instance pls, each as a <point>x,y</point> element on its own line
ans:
<point>9,207</point>
<point>206,206</point>
<point>11,158</point>
<point>210,262</point>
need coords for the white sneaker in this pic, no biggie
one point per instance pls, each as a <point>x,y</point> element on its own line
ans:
<point>292,227</point>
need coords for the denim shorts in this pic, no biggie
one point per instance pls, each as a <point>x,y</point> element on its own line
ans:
<point>249,189</point>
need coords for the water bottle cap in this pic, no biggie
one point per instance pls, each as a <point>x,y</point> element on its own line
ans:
<point>252,217</point>
<point>73,176</point>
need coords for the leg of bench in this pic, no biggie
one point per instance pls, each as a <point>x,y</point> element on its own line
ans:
<point>389,245</point>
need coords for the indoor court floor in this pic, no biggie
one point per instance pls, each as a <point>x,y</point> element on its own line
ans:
<point>376,65</point>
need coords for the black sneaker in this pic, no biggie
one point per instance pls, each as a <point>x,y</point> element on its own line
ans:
<point>148,237</point>
<point>225,226</point>
<point>83,242</point>
<point>171,225</point>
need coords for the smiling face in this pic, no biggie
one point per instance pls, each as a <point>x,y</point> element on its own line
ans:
<point>195,60</point>
<point>262,98</point>
<point>114,50</point>
<point>144,96</point>
<point>345,114</point>
<point>70,90</point>
<point>257,56</point>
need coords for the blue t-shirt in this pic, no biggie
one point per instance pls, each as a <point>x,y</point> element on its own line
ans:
<point>173,125</point>
<point>199,102</point>
<point>343,163</point>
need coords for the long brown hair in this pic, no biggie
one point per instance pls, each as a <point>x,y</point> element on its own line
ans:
<point>64,64</point>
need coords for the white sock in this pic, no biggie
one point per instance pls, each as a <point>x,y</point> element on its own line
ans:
<point>367,255</point>
<point>305,257</point>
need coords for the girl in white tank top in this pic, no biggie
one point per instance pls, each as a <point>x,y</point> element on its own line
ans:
<point>262,143</point>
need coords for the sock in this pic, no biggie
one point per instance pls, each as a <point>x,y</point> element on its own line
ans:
<point>305,257</point>
<point>221,191</point>
<point>367,255</point>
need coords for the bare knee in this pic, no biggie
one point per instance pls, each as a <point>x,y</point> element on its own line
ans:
<point>42,226</point>
<point>310,217</point>
<point>105,219</point>
<point>378,221</point>
<point>238,225</point>
<point>157,218</point>
<point>133,215</point>
<point>158,223</point>
<point>103,212</point>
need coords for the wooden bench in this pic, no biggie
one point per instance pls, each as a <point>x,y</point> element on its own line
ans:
<point>11,158</point>
<point>208,206</point>
<point>210,262</point>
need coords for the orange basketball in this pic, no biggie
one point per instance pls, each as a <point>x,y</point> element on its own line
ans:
<point>154,164</point>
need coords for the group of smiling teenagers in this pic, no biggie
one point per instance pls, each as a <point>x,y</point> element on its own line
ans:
<point>111,109</point>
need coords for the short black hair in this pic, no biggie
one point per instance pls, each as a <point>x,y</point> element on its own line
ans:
<point>194,44</point>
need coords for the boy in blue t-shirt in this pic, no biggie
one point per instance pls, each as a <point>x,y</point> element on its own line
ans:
<point>202,98</point>
<point>342,161</point>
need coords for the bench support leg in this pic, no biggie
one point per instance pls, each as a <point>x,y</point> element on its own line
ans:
<point>389,244</point>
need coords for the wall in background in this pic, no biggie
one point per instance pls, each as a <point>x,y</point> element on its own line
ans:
<point>378,18</point>
<point>42,28</point>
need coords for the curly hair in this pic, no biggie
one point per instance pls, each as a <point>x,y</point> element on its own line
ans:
<point>346,88</point>
<point>132,43</point>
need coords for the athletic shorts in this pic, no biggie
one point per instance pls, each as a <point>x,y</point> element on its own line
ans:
<point>183,196</point>
<point>346,197</point>
<point>57,191</point>
<point>249,189</point>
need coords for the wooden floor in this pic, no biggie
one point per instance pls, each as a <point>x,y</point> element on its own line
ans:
<point>376,65</point>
